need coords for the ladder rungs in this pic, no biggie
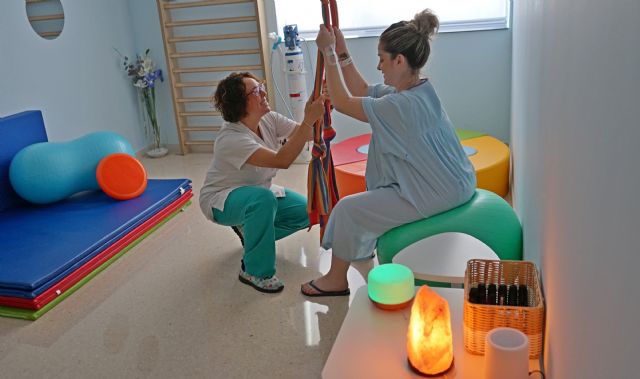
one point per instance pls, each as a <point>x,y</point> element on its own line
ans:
<point>205,3</point>
<point>212,53</point>
<point>203,113</point>
<point>210,21</point>
<point>212,37</point>
<point>193,81</point>
<point>201,142</point>
<point>194,100</point>
<point>202,129</point>
<point>59,16</point>
<point>202,84</point>
<point>193,70</point>
<point>197,84</point>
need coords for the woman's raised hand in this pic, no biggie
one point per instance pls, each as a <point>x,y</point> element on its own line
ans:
<point>341,44</point>
<point>326,38</point>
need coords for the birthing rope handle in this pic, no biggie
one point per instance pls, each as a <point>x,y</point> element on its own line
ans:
<point>322,192</point>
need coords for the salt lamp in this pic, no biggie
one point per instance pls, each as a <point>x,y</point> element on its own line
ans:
<point>391,286</point>
<point>429,339</point>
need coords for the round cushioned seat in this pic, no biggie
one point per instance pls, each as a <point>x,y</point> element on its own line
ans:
<point>487,217</point>
<point>491,162</point>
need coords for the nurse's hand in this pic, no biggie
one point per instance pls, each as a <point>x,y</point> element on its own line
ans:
<point>313,110</point>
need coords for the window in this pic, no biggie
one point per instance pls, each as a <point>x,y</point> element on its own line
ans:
<point>363,18</point>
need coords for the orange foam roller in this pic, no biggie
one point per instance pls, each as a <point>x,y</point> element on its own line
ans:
<point>121,176</point>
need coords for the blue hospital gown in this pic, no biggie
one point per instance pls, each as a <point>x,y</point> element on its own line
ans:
<point>416,168</point>
<point>414,149</point>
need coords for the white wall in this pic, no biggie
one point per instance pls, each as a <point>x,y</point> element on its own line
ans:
<point>76,79</point>
<point>470,71</point>
<point>576,127</point>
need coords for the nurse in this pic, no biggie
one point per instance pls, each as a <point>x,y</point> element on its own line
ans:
<point>238,189</point>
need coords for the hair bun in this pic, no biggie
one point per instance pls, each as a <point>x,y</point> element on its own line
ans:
<point>426,22</point>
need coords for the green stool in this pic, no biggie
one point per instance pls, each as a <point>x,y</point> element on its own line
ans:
<point>487,217</point>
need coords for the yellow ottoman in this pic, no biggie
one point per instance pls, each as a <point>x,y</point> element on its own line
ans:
<point>491,162</point>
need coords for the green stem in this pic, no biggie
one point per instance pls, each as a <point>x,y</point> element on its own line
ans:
<point>149,102</point>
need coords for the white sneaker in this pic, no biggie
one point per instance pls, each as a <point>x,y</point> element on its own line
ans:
<point>268,285</point>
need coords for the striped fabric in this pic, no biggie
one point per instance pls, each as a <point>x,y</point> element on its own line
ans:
<point>322,191</point>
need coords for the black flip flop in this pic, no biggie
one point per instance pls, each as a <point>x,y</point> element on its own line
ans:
<point>324,293</point>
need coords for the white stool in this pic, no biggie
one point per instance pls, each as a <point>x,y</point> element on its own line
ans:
<point>443,257</point>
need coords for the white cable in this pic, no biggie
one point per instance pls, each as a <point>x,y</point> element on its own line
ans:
<point>275,82</point>
<point>312,70</point>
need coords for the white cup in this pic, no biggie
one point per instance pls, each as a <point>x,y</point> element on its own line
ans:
<point>506,354</point>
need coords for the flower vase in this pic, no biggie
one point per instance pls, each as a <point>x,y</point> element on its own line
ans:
<point>148,96</point>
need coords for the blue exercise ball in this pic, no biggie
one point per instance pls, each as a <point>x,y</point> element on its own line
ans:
<point>47,172</point>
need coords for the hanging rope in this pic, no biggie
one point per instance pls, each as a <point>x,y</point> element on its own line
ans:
<point>322,191</point>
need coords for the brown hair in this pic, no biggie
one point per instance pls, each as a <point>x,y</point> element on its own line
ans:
<point>230,97</point>
<point>411,38</point>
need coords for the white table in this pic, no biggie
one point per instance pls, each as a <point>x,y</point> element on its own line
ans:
<point>372,343</point>
<point>443,257</point>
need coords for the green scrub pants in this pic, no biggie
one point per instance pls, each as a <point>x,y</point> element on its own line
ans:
<point>265,219</point>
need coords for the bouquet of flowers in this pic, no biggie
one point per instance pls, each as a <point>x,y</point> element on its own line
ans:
<point>144,74</point>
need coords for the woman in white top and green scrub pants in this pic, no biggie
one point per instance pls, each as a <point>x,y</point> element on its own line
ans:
<point>237,189</point>
<point>416,167</point>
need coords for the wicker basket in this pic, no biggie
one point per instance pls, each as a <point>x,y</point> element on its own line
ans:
<point>479,319</point>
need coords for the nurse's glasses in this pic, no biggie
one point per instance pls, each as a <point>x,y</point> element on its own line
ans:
<point>257,90</point>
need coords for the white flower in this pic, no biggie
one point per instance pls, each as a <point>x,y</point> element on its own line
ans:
<point>147,65</point>
<point>140,83</point>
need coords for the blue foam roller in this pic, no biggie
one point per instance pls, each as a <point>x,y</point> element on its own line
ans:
<point>47,172</point>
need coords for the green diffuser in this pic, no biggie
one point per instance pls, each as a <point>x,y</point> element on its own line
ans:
<point>391,286</point>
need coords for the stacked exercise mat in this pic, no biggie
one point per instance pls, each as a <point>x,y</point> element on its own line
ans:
<point>49,249</point>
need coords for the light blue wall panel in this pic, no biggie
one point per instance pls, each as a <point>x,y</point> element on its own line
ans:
<point>75,79</point>
<point>78,83</point>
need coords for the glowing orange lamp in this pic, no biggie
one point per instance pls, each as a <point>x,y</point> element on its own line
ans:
<point>429,339</point>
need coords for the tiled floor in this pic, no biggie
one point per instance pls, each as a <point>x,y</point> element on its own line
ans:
<point>173,307</point>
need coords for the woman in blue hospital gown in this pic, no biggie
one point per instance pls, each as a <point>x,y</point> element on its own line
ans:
<point>416,167</point>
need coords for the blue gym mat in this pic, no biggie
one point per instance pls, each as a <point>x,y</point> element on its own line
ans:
<point>40,245</point>
<point>16,132</point>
